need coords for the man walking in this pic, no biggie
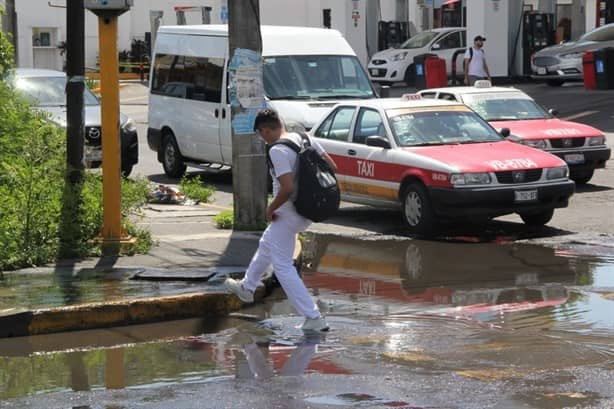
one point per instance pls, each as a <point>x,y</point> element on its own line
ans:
<point>474,64</point>
<point>276,245</point>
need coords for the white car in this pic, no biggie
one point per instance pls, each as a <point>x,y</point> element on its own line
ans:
<point>438,160</point>
<point>397,64</point>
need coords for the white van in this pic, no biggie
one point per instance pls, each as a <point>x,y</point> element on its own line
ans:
<point>306,71</point>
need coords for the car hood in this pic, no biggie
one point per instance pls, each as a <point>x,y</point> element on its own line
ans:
<point>390,52</point>
<point>306,113</point>
<point>567,48</point>
<point>92,115</point>
<point>488,157</point>
<point>547,129</point>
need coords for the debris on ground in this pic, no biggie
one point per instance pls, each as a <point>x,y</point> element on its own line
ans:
<point>168,195</point>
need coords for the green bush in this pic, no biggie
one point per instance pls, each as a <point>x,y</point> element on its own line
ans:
<point>41,217</point>
<point>193,188</point>
<point>224,219</point>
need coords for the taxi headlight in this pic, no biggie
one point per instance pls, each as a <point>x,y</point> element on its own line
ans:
<point>535,143</point>
<point>399,56</point>
<point>596,140</point>
<point>557,173</point>
<point>470,179</point>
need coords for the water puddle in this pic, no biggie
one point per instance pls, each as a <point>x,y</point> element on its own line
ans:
<point>407,316</point>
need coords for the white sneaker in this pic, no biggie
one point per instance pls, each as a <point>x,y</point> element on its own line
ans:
<point>235,287</point>
<point>315,325</point>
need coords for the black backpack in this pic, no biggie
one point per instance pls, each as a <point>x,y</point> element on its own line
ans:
<point>318,193</point>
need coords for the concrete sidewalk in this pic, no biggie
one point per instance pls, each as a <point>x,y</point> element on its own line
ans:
<point>180,277</point>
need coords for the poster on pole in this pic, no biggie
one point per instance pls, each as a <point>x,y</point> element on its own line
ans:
<point>246,89</point>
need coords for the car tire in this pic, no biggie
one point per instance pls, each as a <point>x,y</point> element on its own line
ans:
<point>582,177</point>
<point>555,83</point>
<point>416,210</point>
<point>410,76</point>
<point>126,167</point>
<point>537,219</point>
<point>172,162</point>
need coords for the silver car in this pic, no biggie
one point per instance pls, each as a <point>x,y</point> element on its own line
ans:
<point>563,62</point>
<point>45,89</point>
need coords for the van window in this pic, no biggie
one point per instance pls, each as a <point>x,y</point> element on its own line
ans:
<point>315,77</point>
<point>188,77</point>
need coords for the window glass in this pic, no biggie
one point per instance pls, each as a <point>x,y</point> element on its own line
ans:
<point>430,95</point>
<point>420,128</point>
<point>369,123</point>
<point>187,77</point>
<point>49,91</point>
<point>420,40</point>
<point>603,33</point>
<point>446,96</point>
<point>337,125</point>
<point>452,40</point>
<point>498,107</point>
<point>315,77</point>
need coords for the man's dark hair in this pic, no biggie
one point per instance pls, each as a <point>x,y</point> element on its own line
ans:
<point>267,118</point>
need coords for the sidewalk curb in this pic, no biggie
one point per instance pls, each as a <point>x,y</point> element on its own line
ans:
<point>115,313</point>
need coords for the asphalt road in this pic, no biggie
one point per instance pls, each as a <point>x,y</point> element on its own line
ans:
<point>591,210</point>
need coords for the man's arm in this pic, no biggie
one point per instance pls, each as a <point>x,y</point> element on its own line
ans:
<point>466,69</point>
<point>486,70</point>
<point>286,188</point>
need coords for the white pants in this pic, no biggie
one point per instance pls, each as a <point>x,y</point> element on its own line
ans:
<point>276,247</point>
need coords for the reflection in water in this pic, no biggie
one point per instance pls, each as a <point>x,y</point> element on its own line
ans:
<point>79,380</point>
<point>258,356</point>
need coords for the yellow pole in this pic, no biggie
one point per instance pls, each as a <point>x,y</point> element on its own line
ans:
<point>111,150</point>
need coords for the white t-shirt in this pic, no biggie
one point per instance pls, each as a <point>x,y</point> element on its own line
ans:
<point>476,65</point>
<point>284,160</point>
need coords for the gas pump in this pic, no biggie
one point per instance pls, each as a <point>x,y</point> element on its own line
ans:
<point>538,31</point>
<point>391,34</point>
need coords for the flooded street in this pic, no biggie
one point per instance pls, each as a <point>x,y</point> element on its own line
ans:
<point>415,324</point>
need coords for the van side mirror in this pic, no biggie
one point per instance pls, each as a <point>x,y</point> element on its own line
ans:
<point>553,112</point>
<point>378,141</point>
<point>505,132</point>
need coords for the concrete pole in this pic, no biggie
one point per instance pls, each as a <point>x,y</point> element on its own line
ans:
<point>249,175</point>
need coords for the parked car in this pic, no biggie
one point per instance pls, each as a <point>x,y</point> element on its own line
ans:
<point>582,147</point>
<point>397,64</point>
<point>46,90</point>
<point>563,62</point>
<point>438,160</point>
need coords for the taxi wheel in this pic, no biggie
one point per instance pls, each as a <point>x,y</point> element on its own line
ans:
<point>582,178</point>
<point>171,158</point>
<point>537,219</point>
<point>416,209</point>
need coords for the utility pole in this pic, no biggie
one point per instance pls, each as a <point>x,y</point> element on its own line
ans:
<point>108,12</point>
<point>75,85</point>
<point>249,176</point>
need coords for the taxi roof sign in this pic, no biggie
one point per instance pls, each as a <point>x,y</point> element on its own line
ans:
<point>411,97</point>
<point>482,84</point>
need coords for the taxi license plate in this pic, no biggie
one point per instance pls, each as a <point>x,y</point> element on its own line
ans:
<point>541,71</point>
<point>525,195</point>
<point>574,158</point>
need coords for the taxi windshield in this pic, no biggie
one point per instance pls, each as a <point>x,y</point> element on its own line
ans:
<point>424,128</point>
<point>514,107</point>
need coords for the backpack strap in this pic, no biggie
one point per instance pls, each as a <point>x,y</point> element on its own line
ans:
<point>280,141</point>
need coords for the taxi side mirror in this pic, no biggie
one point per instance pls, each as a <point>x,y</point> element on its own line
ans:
<point>505,132</point>
<point>553,112</point>
<point>378,141</point>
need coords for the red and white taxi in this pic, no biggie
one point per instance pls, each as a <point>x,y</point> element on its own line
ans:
<point>582,147</point>
<point>438,160</point>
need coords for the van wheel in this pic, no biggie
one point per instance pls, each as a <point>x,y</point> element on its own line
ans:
<point>416,210</point>
<point>537,219</point>
<point>126,167</point>
<point>582,177</point>
<point>171,158</point>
